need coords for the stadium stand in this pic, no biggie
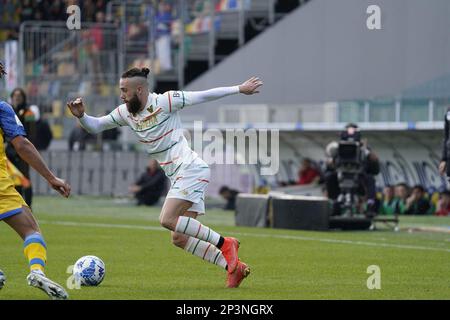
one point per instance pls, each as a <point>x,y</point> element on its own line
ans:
<point>176,38</point>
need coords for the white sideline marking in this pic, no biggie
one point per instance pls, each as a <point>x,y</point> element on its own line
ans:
<point>259,235</point>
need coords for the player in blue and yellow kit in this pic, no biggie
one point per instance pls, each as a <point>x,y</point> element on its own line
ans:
<point>13,209</point>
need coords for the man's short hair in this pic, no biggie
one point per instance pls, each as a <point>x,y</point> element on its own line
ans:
<point>419,187</point>
<point>223,189</point>
<point>351,125</point>
<point>402,184</point>
<point>136,72</point>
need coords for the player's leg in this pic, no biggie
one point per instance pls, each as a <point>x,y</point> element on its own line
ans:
<point>202,249</point>
<point>35,250</point>
<point>172,217</point>
<point>210,253</point>
<point>27,228</point>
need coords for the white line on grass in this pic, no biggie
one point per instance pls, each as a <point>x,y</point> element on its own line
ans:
<point>258,235</point>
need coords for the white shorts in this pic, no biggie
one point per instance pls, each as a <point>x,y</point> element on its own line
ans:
<point>190,184</point>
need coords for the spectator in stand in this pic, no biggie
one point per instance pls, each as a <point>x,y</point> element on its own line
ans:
<point>401,194</point>
<point>308,173</point>
<point>28,10</point>
<point>443,207</point>
<point>40,133</point>
<point>100,5</point>
<point>43,10</point>
<point>150,186</point>
<point>97,31</point>
<point>44,134</point>
<point>26,113</point>
<point>163,39</point>
<point>57,11</point>
<point>96,40</point>
<point>389,204</point>
<point>230,196</point>
<point>89,10</point>
<point>110,137</point>
<point>417,203</point>
<point>78,138</point>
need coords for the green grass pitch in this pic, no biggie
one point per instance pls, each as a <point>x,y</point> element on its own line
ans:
<point>141,262</point>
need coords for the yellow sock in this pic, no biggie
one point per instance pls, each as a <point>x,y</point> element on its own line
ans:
<point>35,251</point>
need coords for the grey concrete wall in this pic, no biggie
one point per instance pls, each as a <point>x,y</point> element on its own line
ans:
<point>323,51</point>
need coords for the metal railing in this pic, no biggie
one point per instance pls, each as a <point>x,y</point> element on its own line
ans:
<point>393,110</point>
<point>57,64</point>
<point>427,112</point>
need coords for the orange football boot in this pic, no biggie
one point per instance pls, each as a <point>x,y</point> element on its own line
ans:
<point>234,279</point>
<point>229,250</point>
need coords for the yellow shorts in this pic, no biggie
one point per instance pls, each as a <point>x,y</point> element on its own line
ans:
<point>11,201</point>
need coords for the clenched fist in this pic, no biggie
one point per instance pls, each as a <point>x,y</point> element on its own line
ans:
<point>76,107</point>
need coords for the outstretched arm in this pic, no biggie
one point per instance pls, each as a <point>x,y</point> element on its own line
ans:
<point>30,155</point>
<point>175,100</point>
<point>197,97</point>
<point>97,124</point>
<point>89,123</point>
<point>248,87</point>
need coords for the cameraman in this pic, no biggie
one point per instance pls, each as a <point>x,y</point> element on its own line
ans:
<point>370,167</point>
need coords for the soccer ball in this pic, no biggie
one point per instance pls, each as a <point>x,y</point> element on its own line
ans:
<point>2,279</point>
<point>89,271</point>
